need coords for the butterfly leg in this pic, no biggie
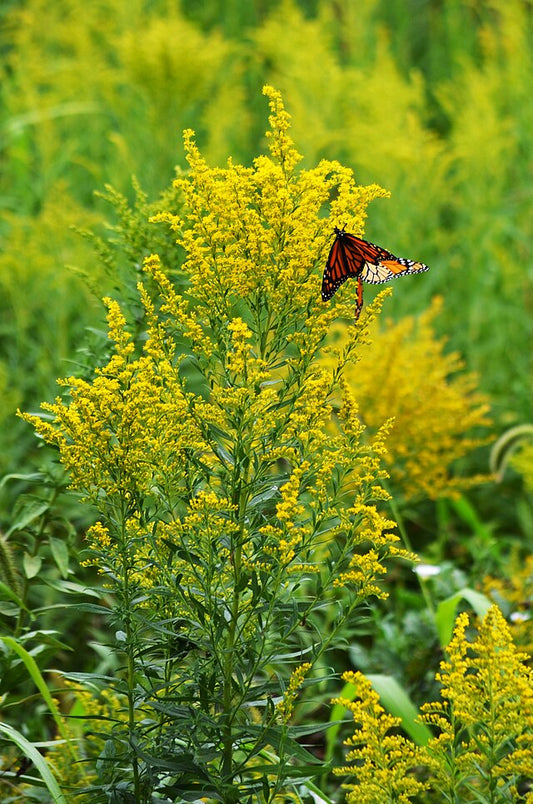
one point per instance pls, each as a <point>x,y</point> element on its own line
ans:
<point>359,302</point>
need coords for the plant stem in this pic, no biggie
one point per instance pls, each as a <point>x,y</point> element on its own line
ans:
<point>127,603</point>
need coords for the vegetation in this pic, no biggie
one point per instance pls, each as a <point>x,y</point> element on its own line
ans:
<point>225,503</point>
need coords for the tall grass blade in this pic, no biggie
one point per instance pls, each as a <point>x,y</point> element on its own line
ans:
<point>29,750</point>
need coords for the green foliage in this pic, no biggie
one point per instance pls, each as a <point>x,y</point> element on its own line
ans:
<point>40,308</point>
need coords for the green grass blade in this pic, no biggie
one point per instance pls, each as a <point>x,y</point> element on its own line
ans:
<point>35,674</point>
<point>29,750</point>
<point>396,701</point>
<point>447,611</point>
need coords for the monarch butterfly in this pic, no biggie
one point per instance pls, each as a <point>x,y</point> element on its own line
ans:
<point>350,256</point>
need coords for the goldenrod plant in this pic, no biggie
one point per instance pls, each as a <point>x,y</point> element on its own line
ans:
<point>229,509</point>
<point>482,750</point>
<point>484,746</point>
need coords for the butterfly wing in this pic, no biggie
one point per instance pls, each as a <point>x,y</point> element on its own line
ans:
<point>380,265</point>
<point>352,256</point>
<point>389,267</point>
<point>345,260</point>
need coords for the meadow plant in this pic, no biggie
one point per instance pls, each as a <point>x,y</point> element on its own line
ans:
<point>440,416</point>
<point>483,751</point>
<point>381,760</point>
<point>231,508</point>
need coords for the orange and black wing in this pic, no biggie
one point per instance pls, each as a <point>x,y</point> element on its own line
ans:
<point>351,256</point>
<point>346,259</point>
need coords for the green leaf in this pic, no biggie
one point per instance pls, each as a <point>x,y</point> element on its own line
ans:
<point>277,737</point>
<point>6,591</point>
<point>32,477</point>
<point>31,565</point>
<point>29,750</point>
<point>44,637</point>
<point>70,588</point>
<point>89,608</point>
<point>35,674</point>
<point>59,550</point>
<point>270,493</point>
<point>29,514</point>
<point>469,516</point>
<point>447,611</point>
<point>297,772</point>
<point>396,701</point>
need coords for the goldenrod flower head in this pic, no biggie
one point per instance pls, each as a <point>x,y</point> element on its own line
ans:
<point>486,717</point>
<point>404,373</point>
<point>130,425</point>
<point>286,706</point>
<point>382,762</point>
<point>255,232</point>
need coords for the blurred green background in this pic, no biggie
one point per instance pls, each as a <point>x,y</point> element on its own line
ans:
<point>429,98</point>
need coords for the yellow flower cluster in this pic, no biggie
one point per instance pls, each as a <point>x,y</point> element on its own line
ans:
<point>285,707</point>
<point>383,762</point>
<point>131,428</point>
<point>175,306</point>
<point>204,535</point>
<point>486,717</point>
<point>371,528</point>
<point>290,537</point>
<point>436,409</point>
<point>484,750</point>
<point>255,233</point>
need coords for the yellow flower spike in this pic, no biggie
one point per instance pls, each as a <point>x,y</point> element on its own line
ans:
<point>280,144</point>
<point>175,307</point>
<point>98,536</point>
<point>487,692</point>
<point>134,408</point>
<point>285,707</point>
<point>383,764</point>
<point>240,335</point>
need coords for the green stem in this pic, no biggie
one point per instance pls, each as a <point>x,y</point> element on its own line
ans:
<point>129,648</point>
<point>26,583</point>
<point>407,544</point>
<point>239,500</point>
